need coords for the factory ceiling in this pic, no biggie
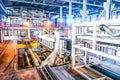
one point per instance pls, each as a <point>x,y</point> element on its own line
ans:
<point>53,6</point>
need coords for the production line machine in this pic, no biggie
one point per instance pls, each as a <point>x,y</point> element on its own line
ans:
<point>52,67</point>
<point>95,50</point>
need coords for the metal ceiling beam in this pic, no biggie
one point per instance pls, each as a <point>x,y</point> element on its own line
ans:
<point>30,6</point>
<point>82,3</point>
<point>54,5</point>
<point>61,14</point>
<point>57,5</point>
<point>3,7</point>
<point>117,0</point>
<point>73,8</point>
<point>35,3</point>
<point>50,8</point>
<point>52,12</point>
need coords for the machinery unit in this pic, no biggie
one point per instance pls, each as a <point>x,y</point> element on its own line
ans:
<point>95,47</point>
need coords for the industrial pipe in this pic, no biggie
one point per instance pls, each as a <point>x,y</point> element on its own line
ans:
<point>105,28</point>
<point>27,59</point>
<point>36,63</point>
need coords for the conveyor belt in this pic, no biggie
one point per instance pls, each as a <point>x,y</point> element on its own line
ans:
<point>65,73</point>
<point>59,73</point>
<point>90,74</point>
<point>106,71</point>
<point>47,73</point>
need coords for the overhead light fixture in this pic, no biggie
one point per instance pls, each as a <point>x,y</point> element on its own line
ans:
<point>26,24</point>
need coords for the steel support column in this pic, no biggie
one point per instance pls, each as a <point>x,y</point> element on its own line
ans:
<point>70,20</point>
<point>44,1</point>
<point>60,14</point>
<point>108,9</point>
<point>83,20</point>
<point>70,12</point>
<point>28,32</point>
<point>12,32</point>
<point>84,10</point>
<point>21,10</point>
<point>49,15</point>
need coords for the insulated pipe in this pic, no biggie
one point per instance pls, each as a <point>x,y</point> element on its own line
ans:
<point>105,28</point>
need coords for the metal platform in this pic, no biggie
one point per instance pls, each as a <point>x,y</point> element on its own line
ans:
<point>59,73</point>
<point>64,73</point>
